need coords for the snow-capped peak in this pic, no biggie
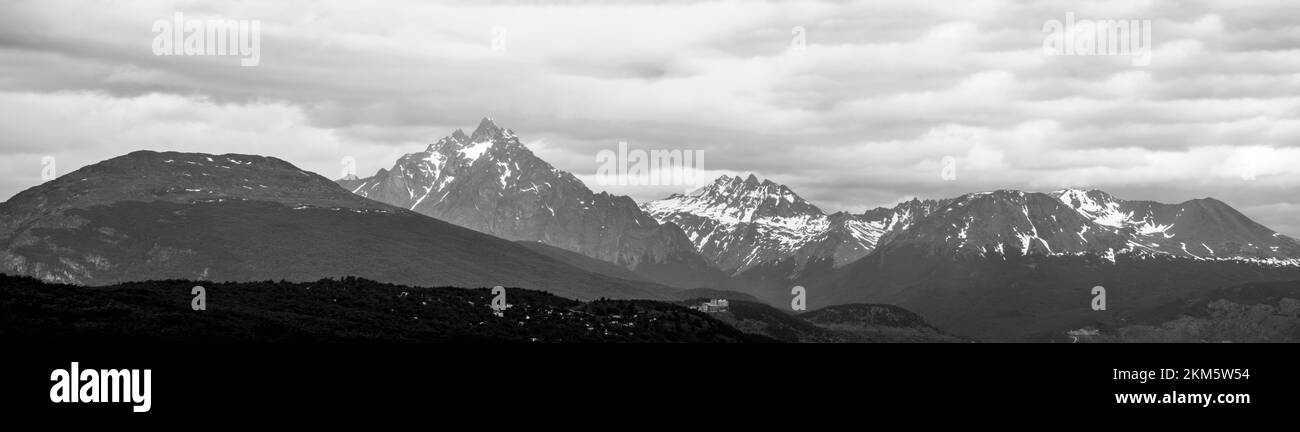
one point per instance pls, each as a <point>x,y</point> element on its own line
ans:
<point>488,130</point>
<point>488,181</point>
<point>423,178</point>
<point>738,200</point>
<point>740,222</point>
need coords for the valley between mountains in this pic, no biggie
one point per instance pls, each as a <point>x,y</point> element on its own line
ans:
<point>478,209</point>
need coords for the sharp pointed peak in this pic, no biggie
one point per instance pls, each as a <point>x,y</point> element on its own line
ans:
<point>488,128</point>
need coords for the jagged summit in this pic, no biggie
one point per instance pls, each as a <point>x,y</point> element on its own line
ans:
<point>490,182</point>
<point>487,138</point>
<point>488,130</point>
<point>740,200</point>
<point>743,222</point>
<point>490,157</point>
<point>487,125</point>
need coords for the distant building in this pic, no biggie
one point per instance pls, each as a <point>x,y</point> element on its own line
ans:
<point>715,305</point>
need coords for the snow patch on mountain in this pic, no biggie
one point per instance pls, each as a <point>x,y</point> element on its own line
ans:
<point>473,151</point>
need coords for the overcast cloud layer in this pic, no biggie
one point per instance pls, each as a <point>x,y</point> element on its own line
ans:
<point>862,117</point>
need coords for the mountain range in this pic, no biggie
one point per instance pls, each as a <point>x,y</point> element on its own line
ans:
<point>489,182</point>
<point>153,216</point>
<point>740,224</point>
<point>480,209</point>
<point>761,238</point>
<point>1012,265</point>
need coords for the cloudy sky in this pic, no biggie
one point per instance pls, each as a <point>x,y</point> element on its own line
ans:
<point>852,104</point>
